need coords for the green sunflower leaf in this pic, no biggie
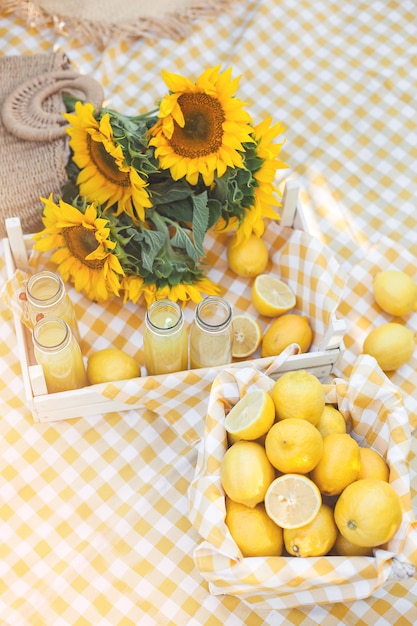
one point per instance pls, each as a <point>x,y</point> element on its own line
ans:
<point>182,240</point>
<point>200,221</point>
<point>151,242</point>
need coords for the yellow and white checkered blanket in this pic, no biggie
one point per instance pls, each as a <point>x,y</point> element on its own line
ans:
<point>94,511</point>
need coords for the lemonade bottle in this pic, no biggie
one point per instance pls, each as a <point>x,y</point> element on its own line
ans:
<point>211,335</point>
<point>59,354</point>
<point>46,295</point>
<point>165,340</point>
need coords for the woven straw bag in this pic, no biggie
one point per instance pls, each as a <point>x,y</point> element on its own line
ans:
<point>34,147</point>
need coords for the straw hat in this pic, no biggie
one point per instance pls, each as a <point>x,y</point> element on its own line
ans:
<point>102,20</point>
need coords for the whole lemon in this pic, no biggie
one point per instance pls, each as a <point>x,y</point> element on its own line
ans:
<point>391,344</point>
<point>285,330</point>
<point>111,364</point>
<point>298,394</point>
<point>339,464</point>
<point>373,465</point>
<point>395,292</point>
<point>249,258</point>
<point>313,539</point>
<point>294,446</point>
<point>368,512</point>
<point>343,547</point>
<point>253,530</point>
<point>246,472</point>
<point>331,421</point>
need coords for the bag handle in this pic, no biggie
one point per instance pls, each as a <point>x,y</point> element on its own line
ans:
<point>25,111</point>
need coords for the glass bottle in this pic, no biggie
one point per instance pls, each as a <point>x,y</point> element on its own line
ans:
<point>165,340</point>
<point>46,294</point>
<point>59,354</point>
<point>211,334</point>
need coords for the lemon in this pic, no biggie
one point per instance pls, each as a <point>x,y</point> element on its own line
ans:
<point>294,446</point>
<point>339,464</point>
<point>246,473</point>
<point>285,330</point>
<point>111,364</point>
<point>391,344</point>
<point>292,500</point>
<point>271,296</point>
<point>247,259</point>
<point>252,416</point>
<point>343,547</point>
<point>368,512</point>
<point>331,421</point>
<point>253,530</point>
<point>373,465</point>
<point>247,336</point>
<point>313,539</point>
<point>298,394</point>
<point>395,292</point>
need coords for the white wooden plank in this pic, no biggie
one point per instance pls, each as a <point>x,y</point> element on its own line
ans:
<point>16,242</point>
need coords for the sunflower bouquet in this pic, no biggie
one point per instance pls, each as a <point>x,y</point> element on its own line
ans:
<point>143,191</point>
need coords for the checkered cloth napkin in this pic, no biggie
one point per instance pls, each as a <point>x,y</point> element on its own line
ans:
<point>373,408</point>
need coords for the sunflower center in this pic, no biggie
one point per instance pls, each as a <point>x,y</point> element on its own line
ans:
<point>203,132</point>
<point>106,164</point>
<point>81,242</point>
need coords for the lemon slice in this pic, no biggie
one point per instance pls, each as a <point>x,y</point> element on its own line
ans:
<point>252,416</point>
<point>292,500</point>
<point>271,296</point>
<point>247,336</point>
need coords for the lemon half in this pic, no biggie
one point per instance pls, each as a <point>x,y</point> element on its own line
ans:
<point>292,500</point>
<point>252,416</point>
<point>271,296</point>
<point>247,336</point>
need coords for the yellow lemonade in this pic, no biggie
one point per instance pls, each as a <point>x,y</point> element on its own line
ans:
<point>211,336</point>
<point>59,354</point>
<point>46,295</point>
<point>165,341</point>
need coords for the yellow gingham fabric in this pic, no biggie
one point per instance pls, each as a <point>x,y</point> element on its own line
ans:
<point>376,417</point>
<point>358,308</point>
<point>94,511</point>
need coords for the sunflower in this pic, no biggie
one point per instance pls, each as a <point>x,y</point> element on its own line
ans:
<point>82,248</point>
<point>265,194</point>
<point>182,291</point>
<point>132,286</point>
<point>202,126</point>
<point>104,175</point>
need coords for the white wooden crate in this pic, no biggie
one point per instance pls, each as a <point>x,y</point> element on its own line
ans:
<point>90,400</point>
